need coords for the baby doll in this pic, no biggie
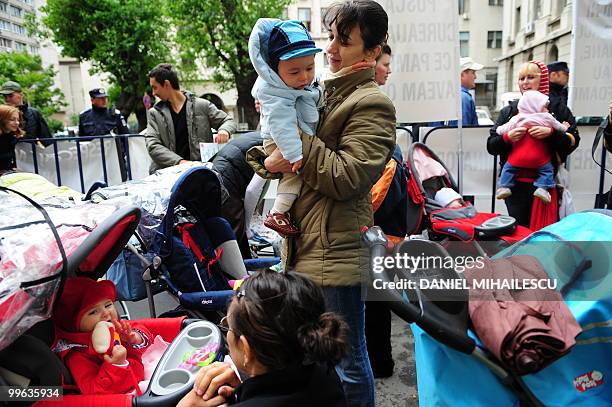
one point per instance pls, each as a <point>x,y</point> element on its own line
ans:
<point>529,152</point>
<point>109,361</point>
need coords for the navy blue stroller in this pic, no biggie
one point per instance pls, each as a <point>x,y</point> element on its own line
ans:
<point>183,249</point>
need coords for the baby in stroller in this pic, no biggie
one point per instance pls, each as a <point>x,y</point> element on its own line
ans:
<point>83,304</point>
<point>449,198</point>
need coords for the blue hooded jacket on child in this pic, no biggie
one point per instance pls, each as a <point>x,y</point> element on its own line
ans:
<point>283,109</point>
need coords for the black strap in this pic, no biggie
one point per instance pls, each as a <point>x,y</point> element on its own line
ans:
<point>58,241</point>
<point>598,136</point>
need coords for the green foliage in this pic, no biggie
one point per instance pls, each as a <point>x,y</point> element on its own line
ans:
<point>122,38</point>
<point>217,33</point>
<point>55,125</point>
<point>35,80</point>
<point>74,119</point>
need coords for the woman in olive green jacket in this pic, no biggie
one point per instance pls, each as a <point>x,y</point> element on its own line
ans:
<point>354,141</point>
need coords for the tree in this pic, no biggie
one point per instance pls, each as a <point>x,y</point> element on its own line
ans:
<point>36,82</point>
<point>218,32</point>
<point>122,38</point>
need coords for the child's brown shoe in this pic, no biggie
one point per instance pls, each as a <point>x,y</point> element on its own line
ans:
<point>282,224</point>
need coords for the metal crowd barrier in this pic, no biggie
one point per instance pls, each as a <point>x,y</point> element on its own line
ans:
<point>122,160</point>
<point>587,178</point>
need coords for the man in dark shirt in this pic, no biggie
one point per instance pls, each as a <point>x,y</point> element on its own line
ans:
<point>558,78</point>
<point>99,120</point>
<point>180,131</point>
<point>34,124</point>
<point>180,121</point>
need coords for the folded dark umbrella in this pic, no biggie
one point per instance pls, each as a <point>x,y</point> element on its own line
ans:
<point>526,329</point>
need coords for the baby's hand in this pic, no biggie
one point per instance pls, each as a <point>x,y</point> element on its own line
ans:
<point>126,334</point>
<point>566,125</point>
<point>118,357</point>
<point>296,166</point>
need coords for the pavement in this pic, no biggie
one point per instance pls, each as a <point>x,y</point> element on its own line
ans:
<point>398,390</point>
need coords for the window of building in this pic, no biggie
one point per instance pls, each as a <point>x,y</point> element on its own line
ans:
<point>494,39</point>
<point>18,29</point>
<point>509,77</point>
<point>285,15</point>
<point>496,2</point>
<point>537,9</point>
<point>20,46</point>
<point>5,42</point>
<point>3,7</point>
<point>553,54</point>
<point>304,16</point>
<point>34,49</point>
<point>16,11</point>
<point>463,6</point>
<point>5,25</point>
<point>517,20</point>
<point>464,43</point>
<point>323,12</point>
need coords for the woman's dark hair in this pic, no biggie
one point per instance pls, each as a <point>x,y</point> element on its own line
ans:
<point>165,72</point>
<point>386,49</point>
<point>283,317</point>
<point>371,18</point>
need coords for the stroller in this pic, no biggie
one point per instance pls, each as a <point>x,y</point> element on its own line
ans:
<point>426,175</point>
<point>446,349</point>
<point>177,241</point>
<point>33,274</point>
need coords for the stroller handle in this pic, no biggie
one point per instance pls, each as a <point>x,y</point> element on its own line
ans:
<point>414,306</point>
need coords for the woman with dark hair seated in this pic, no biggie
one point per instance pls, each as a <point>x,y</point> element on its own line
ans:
<point>283,344</point>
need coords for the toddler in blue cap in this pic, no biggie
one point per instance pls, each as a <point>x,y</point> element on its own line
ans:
<point>282,53</point>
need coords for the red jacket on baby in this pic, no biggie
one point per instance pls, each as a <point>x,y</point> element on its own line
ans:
<point>530,152</point>
<point>91,373</point>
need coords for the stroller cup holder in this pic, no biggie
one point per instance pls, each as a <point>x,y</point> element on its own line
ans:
<point>197,345</point>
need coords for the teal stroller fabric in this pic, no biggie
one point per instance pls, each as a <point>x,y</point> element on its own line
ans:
<point>583,377</point>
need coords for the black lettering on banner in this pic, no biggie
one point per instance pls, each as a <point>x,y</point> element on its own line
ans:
<point>411,6</point>
<point>427,90</point>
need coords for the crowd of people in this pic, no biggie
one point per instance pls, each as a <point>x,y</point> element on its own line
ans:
<point>303,336</point>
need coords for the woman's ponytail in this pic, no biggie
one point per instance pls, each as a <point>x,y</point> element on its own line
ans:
<point>324,341</point>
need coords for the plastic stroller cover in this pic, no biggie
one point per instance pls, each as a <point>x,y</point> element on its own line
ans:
<point>30,259</point>
<point>151,195</point>
<point>447,377</point>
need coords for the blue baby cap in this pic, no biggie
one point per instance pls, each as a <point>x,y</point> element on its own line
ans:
<point>290,39</point>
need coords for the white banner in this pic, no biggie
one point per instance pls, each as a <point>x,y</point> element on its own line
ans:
<point>91,161</point>
<point>424,84</point>
<point>591,75</point>
<point>140,160</point>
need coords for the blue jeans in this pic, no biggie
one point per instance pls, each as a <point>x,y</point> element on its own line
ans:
<point>545,179</point>
<point>354,370</point>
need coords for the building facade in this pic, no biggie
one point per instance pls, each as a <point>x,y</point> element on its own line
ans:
<point>13,34</point>
<point>533,29</point>
<point>480,37</point>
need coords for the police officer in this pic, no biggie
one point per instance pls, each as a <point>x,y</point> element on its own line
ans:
<point>100,120</point>
<point>558,77</point>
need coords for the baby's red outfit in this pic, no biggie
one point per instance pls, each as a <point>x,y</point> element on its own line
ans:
<point>91,373</point>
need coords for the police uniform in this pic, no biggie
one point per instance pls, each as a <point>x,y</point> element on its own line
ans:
<point>100,122</point>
